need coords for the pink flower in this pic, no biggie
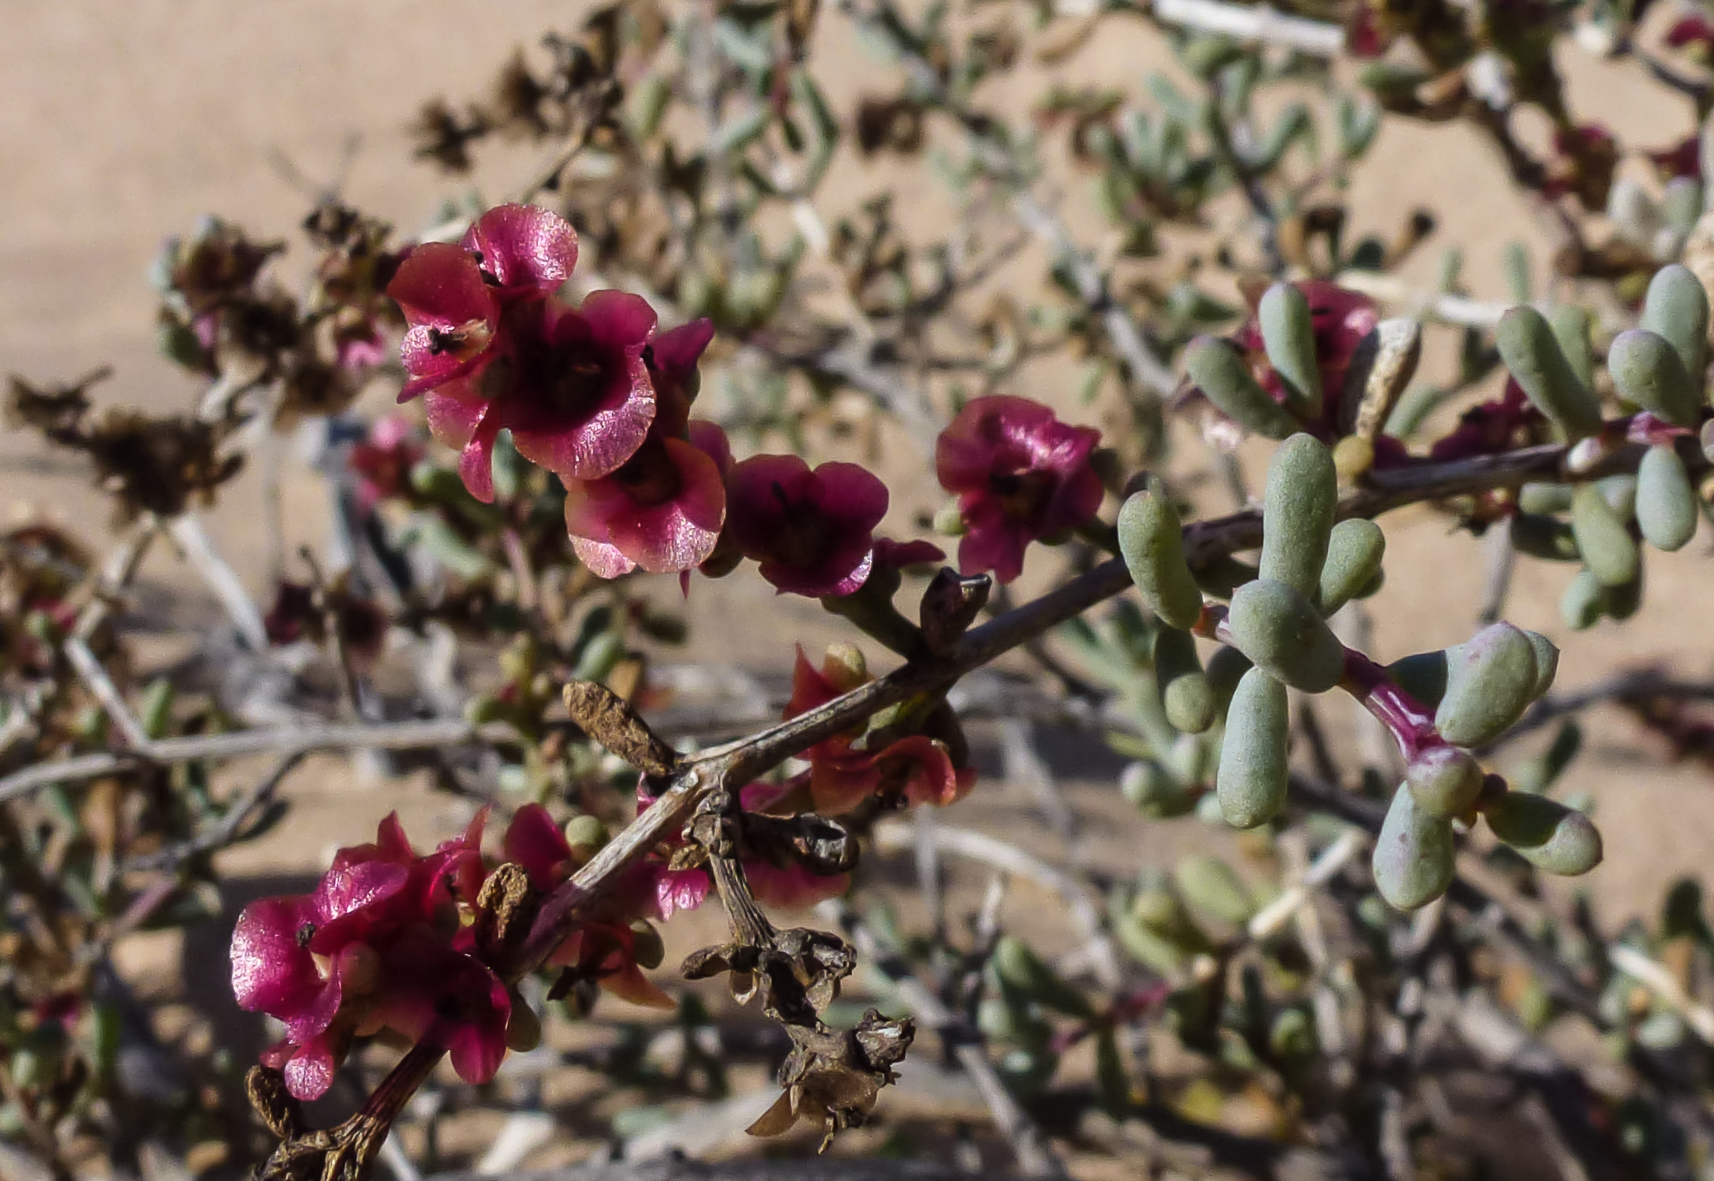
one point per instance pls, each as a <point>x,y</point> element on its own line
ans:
<point>603,950</point>
<point>333,964</point>
<point>492,349</point>
<point>1693,32</point>
<point>672,359</point>
<point>1681,159</point>
<point>569,384</point>
<point>841,776</point>
<point>1506,422</point>
<point>812,531</point>
<point>661,510</point>
<point>901,555</point>
<point>383,464</point>
<point>1020,475</point>
<point>527,252</point>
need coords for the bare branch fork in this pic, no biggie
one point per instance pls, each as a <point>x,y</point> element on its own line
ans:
<point>684,783</point>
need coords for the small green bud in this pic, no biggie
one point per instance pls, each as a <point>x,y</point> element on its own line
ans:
<point>1546,662</point>
<point>1297,514</point>
<point>1288,335</point>
<point>1676,308</point>
<point>585,834</point>
<point>1490,681</point>
<point>648,949</point>
<point>1255,751</point>
<point>1533,356</point>
<point>1648,371</point>
<point>1414,854</point>
<point>1667,512</point>
<point>1545,833</point>
<point>1544,537</point>
<point>1605,542</point>
<point>1221,373</point>
<point>1570,325</point>
<point>1209,885</point>
<point>523,1027</point>
<point>1023,971</point>
<point>1354,554</point>
<point>1152,542</point>
<point>1445,780</point>
<point>1282,632</point>
<point>1185,692</point>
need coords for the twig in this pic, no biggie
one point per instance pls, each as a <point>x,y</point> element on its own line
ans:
<point>95,678</point>
<point>227,831</point>
<point>1035,1157</point>
<point>1008,858</point>
<point>1659,980</point>
<point>1452,309</point>
<point>193,542</point>
<point>1254,24</point>
<point>1276,914</point>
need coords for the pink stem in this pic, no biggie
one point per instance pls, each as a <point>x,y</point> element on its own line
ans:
<point>1409,721</point>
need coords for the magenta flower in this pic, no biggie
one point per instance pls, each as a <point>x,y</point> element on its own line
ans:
<point>1694,33</point>
<point>383,463</point>
<point>672,359</point>
<point>1020,475</point>
<point>812,531</point>
<point>570,384</point>
<point>327,964</point>
<point>901,555</point>
<point>662,510</point>
<point>492,349</point>
<point>527,252</point>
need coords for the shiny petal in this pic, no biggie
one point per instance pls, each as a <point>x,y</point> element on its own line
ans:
<point>529,250</point>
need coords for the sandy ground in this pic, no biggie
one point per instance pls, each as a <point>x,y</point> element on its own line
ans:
<point>126,120</point>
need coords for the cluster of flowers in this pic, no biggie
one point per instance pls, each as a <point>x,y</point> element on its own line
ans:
<point>385,944</point>
<point>596,395</point>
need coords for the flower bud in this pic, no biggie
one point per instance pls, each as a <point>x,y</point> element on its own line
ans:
<point>1152,542</point>
<point>1297,515</point>
<point>1185,693</point>
<point>1220,372</point>
<point>1534,358</point>
<point>1414,854</point>
<point>585,834</point>
<point>1445,780</point>
<point>1490,681</point>
<point>1210,886</point>
<point>1251,781</point>
<point>1647,370</point>
<point>1605,542</point>
<point>1281,631</point>
<point>646,946</point>
<point>1545,833</point>
<point>1288,335</point>
<point>1676,309</point>
<point>1667,511</point>
<point>523,1027</point>
<point>1354,552</point>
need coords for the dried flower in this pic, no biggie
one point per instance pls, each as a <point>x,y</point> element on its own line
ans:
<point>1020,475</point>
<point>812,531</point>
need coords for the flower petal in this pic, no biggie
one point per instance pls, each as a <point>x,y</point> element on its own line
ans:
<point>530,250</point>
